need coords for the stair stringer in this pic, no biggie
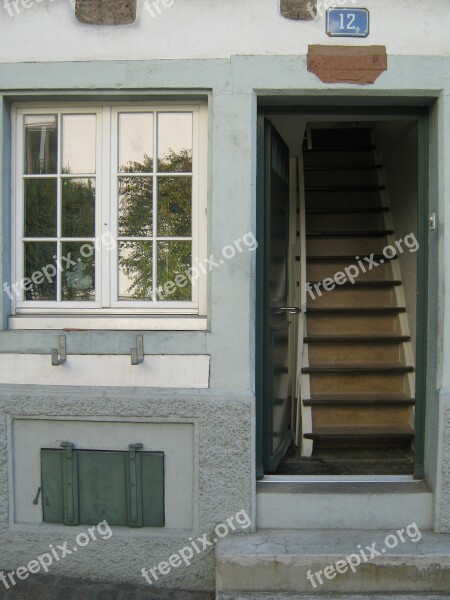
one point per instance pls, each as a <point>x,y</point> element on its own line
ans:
<point>304,413</point>
<point>407,348</point>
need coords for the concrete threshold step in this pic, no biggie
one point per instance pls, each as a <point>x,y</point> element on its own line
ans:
<point>326,596</point>
<point>366,562</point>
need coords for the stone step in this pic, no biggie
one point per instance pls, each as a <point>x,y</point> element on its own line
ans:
<point>287,596</point>
<point>370,562</point>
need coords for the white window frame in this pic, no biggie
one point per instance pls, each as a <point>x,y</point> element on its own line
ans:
<point>32,314</point>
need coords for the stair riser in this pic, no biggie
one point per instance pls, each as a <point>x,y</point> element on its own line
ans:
<point>349,246</point>
<point>354,353</point>
<point>356,324</point>
<point>368,416</point>
<point>343,157</point>
<point>360,178</point>
<point>344,221</point>
<point>351,297</point>
<point>325,200</point>
<point>358,383</point>
<point>317,271</point>
<point>321,137</point>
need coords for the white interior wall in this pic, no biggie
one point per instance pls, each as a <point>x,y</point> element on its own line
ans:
<point>397,143</point>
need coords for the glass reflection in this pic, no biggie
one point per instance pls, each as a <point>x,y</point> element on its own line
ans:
<point>40,207</point>
<point>78,143</point>
<point>175,142</point>
<point>41,144</point>
<point>136,142</point>
<point>174,206</point>
<point>39,256</point>
<point>78,207</point>
<point>78,277</point>
<point>135,270</point>
<point>174,259</point>
<point>135,206</point>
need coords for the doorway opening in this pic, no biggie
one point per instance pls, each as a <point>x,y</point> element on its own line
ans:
<point>342,295</point>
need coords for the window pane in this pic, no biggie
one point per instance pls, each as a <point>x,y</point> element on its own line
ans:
<point>40,268</point>
<point>40,207</point>
<point>135,206</point>
<point>78,207</point>
<point>175,206</point>
<point>136,142</point>
<point>78,144</point>
<point>135,270</point>
<point>41,144</point>
<point>174,261</point>
<point>78,276</point>
<point>175,142</point>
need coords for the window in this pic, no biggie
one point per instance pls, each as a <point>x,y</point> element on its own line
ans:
<point>109,207</point>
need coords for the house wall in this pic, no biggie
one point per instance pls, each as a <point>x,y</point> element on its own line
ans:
<point>228,56</point>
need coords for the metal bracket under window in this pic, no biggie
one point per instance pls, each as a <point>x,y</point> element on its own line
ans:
<point>137,354</point>
<point>59,354</point>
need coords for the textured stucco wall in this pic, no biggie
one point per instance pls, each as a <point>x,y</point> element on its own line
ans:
<point>443,468</point>
<point>224,480</point>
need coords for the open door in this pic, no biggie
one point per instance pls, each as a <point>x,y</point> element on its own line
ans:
<point>276,314</point>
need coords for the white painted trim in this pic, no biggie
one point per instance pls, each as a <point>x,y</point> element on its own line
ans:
<point>117,323</point>
<point>106,135</point>
<point>187,371</point>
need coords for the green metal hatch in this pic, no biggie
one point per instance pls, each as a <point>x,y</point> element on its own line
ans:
<point>88,486</point>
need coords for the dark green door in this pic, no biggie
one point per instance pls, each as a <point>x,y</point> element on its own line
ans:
<point>276,313</point>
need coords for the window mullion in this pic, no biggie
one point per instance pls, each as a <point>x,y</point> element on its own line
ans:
<point>58,207</point>
<point>155,207</point>
<point>106,201</point>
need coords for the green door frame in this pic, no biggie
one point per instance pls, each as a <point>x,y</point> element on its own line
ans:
<point>421,114</point>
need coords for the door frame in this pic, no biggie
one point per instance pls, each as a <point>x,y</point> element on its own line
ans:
<point>421,113</point>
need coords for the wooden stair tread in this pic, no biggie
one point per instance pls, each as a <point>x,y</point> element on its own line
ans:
<point>346,258</point>
<point>326,211</point>
<point>343,167</point>
<point>361,432</point>
<point>311,339</point>
<point>358,368</point>
<point>351,233</point>
<point>341,148</point>
<point>359,400</point>
<point>344,188</point>
<point>375,283</point>
<point>381,310</point>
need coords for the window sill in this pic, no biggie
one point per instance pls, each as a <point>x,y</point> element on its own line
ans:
<point>109,322</point>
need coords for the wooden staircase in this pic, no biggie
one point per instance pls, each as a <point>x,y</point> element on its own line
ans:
<point>361,379</point>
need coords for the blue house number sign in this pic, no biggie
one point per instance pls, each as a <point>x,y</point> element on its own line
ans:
<point>348,22</point>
